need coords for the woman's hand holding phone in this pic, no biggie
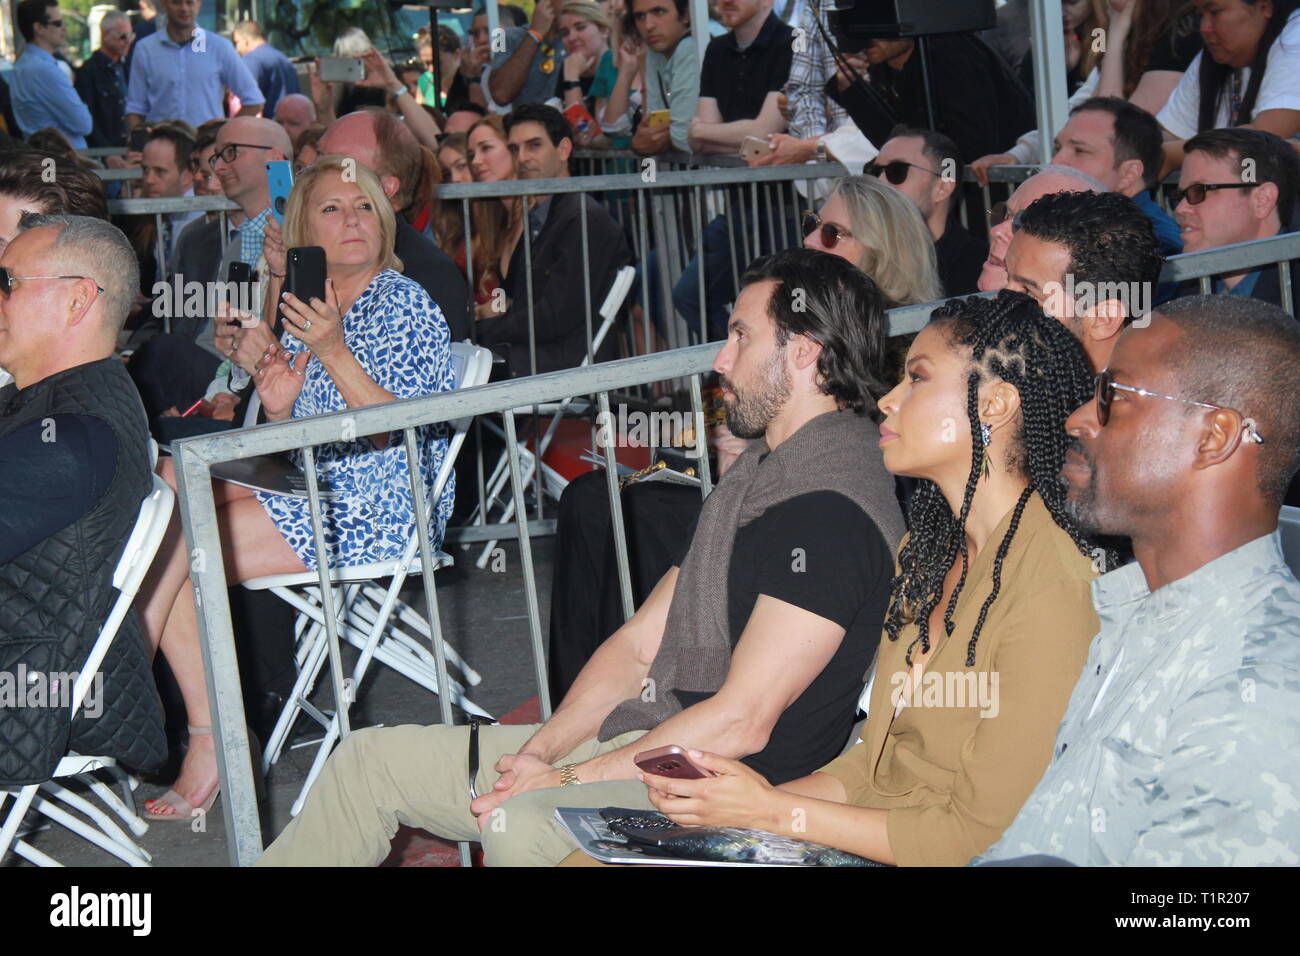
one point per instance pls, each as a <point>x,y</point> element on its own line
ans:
<point>735,796</point>
<point>317,324</point>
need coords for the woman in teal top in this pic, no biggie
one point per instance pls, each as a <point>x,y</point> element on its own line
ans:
<point>589,77</point>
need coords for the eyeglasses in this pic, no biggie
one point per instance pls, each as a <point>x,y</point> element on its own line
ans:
<point>7,280</point>
<point>229,152</point>
<point>831,233</point>
<point>121,36</point>
<point>1195,193</point>
<point>895,172</point>
<point>1107,386</point>
<point>1000,213</point>
<point>52,23</point>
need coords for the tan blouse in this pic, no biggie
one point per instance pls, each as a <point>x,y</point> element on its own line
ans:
<point>969,744</point>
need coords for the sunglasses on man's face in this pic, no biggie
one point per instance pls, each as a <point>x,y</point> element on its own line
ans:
<point>54,23</point>
<point>895,172</point>
<point>7,280</point>
<point>1195,194</point>
<point>831,233</point>
<point>1106,388</point>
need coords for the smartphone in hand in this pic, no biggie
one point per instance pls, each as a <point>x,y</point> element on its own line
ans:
<point>304,277</point>
<point>279,181</point>
<point>672,762</point>
<point>342,69</point>
<point>752,147</point>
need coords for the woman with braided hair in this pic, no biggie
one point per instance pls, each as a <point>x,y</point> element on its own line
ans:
<point>990,614</point>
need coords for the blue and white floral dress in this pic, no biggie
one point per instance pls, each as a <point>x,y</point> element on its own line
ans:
<point>401,339</point>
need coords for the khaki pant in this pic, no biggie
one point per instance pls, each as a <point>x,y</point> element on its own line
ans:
<point>419,776</point>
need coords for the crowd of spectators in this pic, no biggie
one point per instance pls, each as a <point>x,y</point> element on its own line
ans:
<point>959,492</point>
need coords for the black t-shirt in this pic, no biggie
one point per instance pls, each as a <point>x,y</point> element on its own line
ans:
<point>961,258</point>
<point>52,473</point>
<point>1177,46</point>
<point>822,553</point>
<point>741,79</point>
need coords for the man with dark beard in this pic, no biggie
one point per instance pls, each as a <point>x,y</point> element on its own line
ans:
<point>1178,744</point>
<point>754,645</point>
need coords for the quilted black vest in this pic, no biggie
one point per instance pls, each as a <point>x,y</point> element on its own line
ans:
<point>55,597</point>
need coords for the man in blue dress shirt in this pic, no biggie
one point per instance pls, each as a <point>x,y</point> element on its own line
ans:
<point>42,93</point>
<point>182,73</point>
<point>275,75</point>
<point>1119,143</point>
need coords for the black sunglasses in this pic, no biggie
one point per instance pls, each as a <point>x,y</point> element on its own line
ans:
<point>1195,193</point>
<point>7,280</point>
<point>1107,387</point>
<point>53,23</point>
<point>895,172</point>
<point>831,233</point>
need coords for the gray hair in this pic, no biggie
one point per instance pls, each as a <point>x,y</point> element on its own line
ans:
<point>1069,172</point>
<point>110,17</point>
<point>352,41</point>
<point>100,251</point>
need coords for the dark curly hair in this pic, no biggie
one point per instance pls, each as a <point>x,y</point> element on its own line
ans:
<point>1009,339</point>
<point>835,304</point>
<point>1111,241</point>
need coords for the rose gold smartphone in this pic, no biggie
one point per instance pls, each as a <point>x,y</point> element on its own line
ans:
<point>670,762</point>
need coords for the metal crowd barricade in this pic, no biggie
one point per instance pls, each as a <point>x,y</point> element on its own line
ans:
<point>196,456</point>
<point>162,207</point>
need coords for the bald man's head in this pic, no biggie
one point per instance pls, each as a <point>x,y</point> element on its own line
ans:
<point>257,131</point>
<point>1048,180</point>
<point>295,113</point>
<point>381,142</point>
<point>241,170</point>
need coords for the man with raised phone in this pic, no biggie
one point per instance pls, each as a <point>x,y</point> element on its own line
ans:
<point>754,644</point>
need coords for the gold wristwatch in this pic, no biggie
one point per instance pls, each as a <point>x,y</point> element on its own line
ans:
<point>569,774</point>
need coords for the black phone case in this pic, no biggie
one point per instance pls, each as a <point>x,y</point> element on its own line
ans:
<point>304,276</point>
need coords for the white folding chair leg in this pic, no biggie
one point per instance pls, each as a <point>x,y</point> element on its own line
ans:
<point>110,830</point>
<point>21,801</point>
<point>125,811</point>
<point>33,855</point>
<point>525,476</point>
<point>293,706</point>
<point>129,855</point>
<point>413,619</point>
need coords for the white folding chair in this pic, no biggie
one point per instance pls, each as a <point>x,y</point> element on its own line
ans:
<point>553,482</point>
<point>370,617</point>
<point>51,798</point>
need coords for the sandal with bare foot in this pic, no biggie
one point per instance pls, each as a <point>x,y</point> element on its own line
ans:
<point>182,809</point>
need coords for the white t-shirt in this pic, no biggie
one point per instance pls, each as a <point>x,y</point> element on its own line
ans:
<point>1280,89</point>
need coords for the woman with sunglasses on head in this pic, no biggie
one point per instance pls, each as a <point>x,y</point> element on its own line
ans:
<point>376,337</point>
<point>990,615</point>
<point>882,233</point>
